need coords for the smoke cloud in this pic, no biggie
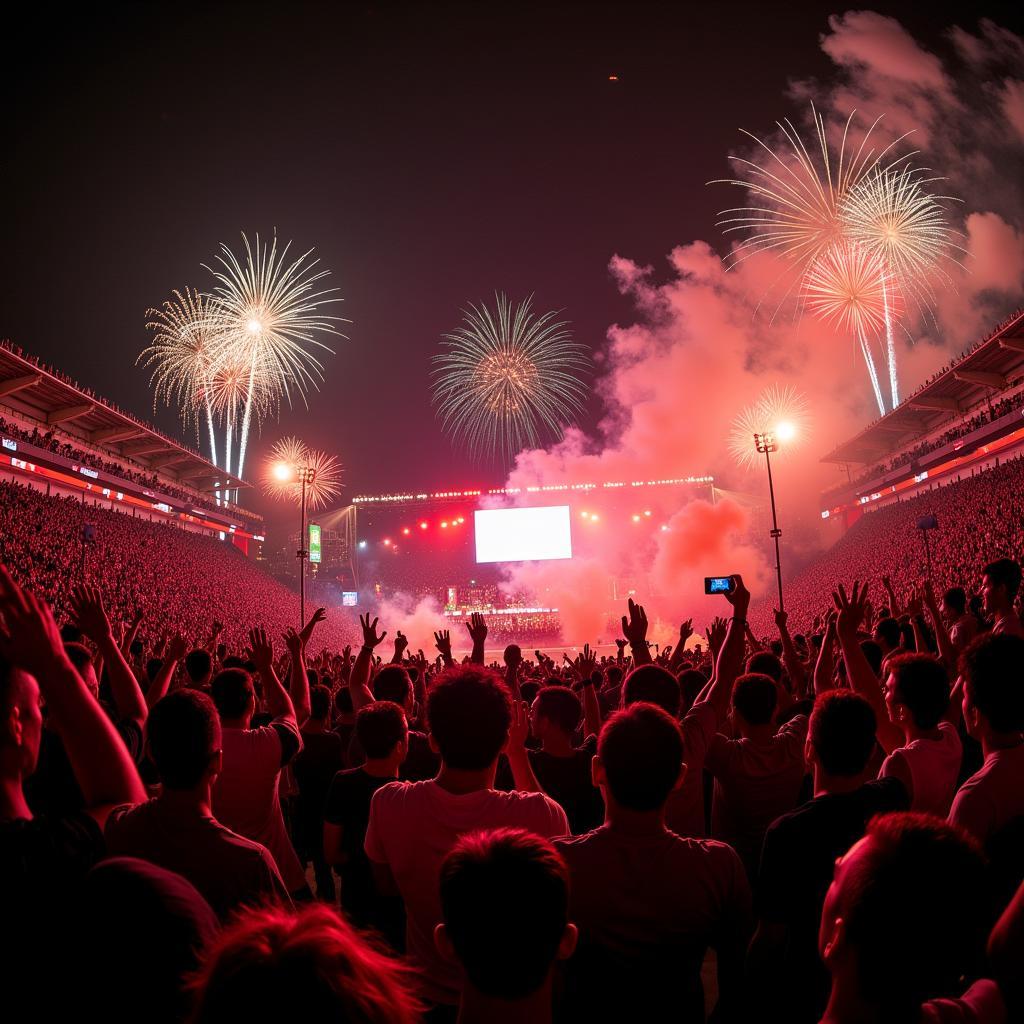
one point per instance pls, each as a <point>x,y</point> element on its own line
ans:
<point>705,341</point>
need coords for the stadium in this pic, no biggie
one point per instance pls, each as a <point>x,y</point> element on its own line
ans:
<point>512,514</point>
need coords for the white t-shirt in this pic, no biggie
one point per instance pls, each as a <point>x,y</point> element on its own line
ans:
<point>755,783</point>
<point>993,796</point>
<point>412,827</point>
<point>934,766</point>
<point>246,793</point>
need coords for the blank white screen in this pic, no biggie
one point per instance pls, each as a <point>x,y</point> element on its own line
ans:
<point>522,534</point>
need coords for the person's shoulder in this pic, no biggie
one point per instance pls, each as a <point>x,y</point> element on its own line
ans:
<point>571,845</point>
<point>400,794</point>
<point>123,813</point>
<point>886,793</point>
<point>950,733</point>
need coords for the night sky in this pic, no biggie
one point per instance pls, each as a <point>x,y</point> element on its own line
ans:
<point>432,153</point>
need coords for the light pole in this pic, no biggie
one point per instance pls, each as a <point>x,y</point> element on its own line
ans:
<point>766,443</point>
<point>306,475</point>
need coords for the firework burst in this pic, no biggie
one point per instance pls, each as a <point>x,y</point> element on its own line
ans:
<point>271,310</point>
<point>281,478</point>
<point>797,197</point>
<point>187,347</point>
<point>508,379</point>
<point>780,411</point>
<point>852,288</point>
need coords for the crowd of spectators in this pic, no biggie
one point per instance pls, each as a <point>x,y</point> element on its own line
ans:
<point>59,444</point>
<point>219,813</point>
<point>963,428</point>
<point>980,518</point>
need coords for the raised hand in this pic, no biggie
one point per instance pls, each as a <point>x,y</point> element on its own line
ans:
<point>443,643</point>
<point>318,616</point>
<point>519,728</point>
<point>851,610</point>
<point>370,638</point>
<point>781,618</point>
<point>621,645</point>
<point>914,605</point>
<point>176,648</point>
<point>401,643</point>
<point>716,634</point>
<point>685,632</point>
<point>29,636</point>
<point>634,627</point>
<point>346,654</point>
<point>89,614</point>
<point>261,650</point>
<point>293,642</point>
<point>477,628</point>
<point>739,598</point>
<point>586,664</point>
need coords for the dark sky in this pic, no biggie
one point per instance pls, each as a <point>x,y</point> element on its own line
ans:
<point>432,153</point>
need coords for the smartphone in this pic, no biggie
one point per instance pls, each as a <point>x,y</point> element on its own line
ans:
<point>718,585</point>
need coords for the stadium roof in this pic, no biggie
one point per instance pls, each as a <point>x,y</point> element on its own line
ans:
<point>30,388</point>
<point>985,371</point>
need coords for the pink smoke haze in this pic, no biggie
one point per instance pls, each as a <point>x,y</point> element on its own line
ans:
<point>705,340</point>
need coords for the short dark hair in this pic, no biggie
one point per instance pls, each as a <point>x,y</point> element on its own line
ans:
<point>922,686</point>
<point>319,702</point>
<point>641,749</point>
<point>992,667</point>
<point>343,701</point>
<point>914,934</point>
<point>755,698</point>
<point>652,684</point>
<point>232,689</point>
<point>766,664</point>
<point>182,734</point>
<point>529,689</point>
<point>691,682</point>
<point>380,727</point>
<point>198,664</point>
<point>70,633</point>
<point>614,675</point>
<point>79,655</point>
<point>1004,572</point>
<point>956,598</point>
<point>392,683</point>
<point>889,630</point>
<point>505,905</point>
<point>842,731</point>
<point>560,706</point>
<point>469,713</point>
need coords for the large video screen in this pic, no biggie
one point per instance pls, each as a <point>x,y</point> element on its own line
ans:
<point>522,534</point>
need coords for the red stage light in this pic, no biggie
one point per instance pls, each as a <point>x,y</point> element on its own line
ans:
<point>423,525</point>
<point>387,542</point>
<point>406,531</point>
<point>444,524</point>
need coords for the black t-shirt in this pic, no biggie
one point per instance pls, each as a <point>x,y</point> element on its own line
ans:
<point>314,768</point>
<point>797,863</point>
<point>42,863</point>
<point>345,730</point>
<point>567,780</point>
<point>420,764</point>
<point>348,805</point>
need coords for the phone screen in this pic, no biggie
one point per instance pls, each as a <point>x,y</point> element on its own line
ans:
<point>717,584</point>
